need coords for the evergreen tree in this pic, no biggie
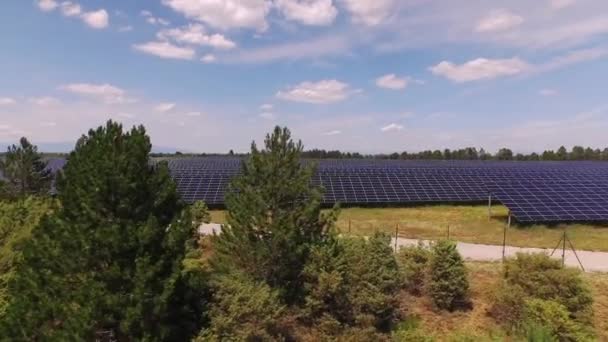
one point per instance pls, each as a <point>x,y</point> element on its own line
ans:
<point>274,217</point>
<point>25,170</point>
<point>561,154</point>
<point>109,263</point>
<point>448,284</point>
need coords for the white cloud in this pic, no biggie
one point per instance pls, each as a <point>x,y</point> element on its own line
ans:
<point>548,92</point>
<point>326,91</point>
<point>480,69</point>
<point>226,14</point>
<point>369,12</point>
<point>44,101</point>
<point>108,93</point>
<point>151,19</point>
<point>499,20</point>
<point>266,107</point>
<point>208,58</point>
<point>96,19</point>
<point>166,50</point>
<point>308,12</point>
<point>195,34</point>
<point>193,114</point>
<point>334,132</point>
<point>164,107</point>
<point>47,5</point>
<point>391,81</point>
<point>5,101</point>
<point>267,116</point>
<point>560,4</point>
<point>70,9</point>
<point>391,127</point>
<point>572,57</point>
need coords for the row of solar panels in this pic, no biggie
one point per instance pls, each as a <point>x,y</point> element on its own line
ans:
<point>533,191</point>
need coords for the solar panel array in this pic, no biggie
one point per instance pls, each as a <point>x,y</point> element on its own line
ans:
<point>533,191</point>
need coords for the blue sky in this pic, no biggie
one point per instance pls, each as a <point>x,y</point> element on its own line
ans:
<point>355,75</point>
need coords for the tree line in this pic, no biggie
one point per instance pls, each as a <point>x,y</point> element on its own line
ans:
<point>116,257</point>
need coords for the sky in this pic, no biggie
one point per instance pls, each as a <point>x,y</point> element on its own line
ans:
<point>373,76</point>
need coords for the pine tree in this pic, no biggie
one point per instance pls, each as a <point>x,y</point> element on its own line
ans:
<point>25,170</point>
<point>448,284</point>
<point>109,263</point>
<point>274,217</point>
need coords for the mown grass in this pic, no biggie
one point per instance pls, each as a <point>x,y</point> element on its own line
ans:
<point>467,223</point>
<point>483,278</point>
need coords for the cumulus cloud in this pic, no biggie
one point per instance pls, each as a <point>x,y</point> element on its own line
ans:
<point>369,12</point>
<point>70,9</point>
<point>499,20</point>
<point>164,107</point>
<point>96,19</point>
<point>208,58</point>
<point>334,132</point>
<point>560,4</point>
<point>322,92</point>
<point>164,49</point>
<point>308,12</point>
<point>151,19</point>
<point>226,14</point>
<point>5,101</point>
<point>44,101</point>
<point>391,127</point>
<point>47,5</point>
<point>195,34</point>
<point>480,69</point>
<point>548,92</point>
<point>392,81</point>
<point>105,92</point>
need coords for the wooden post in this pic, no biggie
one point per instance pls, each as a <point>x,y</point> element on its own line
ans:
<point>504,236</point>
<point>396,235</point>
<point>349,226</point>
<point>448,231</point>
<point>489,207</point>
<point>564,249</point>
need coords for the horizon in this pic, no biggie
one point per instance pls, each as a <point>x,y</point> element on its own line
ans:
<point>367,76</point>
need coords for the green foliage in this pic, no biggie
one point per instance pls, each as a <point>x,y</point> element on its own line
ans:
<point>17,219</point>
<point>110,261</point>
<point>375,280</point>
<point>537,333</point>
<point>448,285</point>
<point>410,331</point>
<point>200,213</point>
<point>244,310</point>
<point>556,319</point>
<point>25,171</point>
<point>544,278</point>
<point>413,263</point>
<point>274,217</point>
<point>537,291</point>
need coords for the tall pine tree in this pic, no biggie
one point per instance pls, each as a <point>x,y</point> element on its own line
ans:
<point>109,263</point>
<point>25,170</point>
<point>274,217</point>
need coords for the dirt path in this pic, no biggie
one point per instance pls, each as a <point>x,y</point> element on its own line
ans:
<point>592,261</point>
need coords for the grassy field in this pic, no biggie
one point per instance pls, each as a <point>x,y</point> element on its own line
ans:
<point>483,278</point>
<point>467,224</point>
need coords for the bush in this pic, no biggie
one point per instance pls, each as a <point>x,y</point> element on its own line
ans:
<point>200,213</point>
<point>413,262</point>
<point>508,307</point>
<point>448,284</point>
<point>243,310</point>
<point>544,278</point>
<point>556,319</point>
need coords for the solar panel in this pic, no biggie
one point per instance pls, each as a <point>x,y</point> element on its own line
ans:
<point>533,191</point>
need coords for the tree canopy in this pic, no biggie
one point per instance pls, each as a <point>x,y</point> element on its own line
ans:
<point>25,170</point>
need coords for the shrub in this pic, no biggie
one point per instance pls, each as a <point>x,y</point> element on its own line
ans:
<point>509,301</point>
<point>542,277</point>
<point>243,310</point>
<point>200,213</point>
<point>374,280</point>
<point>413,262</point>
<point>448,284</point>
<point>556,319</point>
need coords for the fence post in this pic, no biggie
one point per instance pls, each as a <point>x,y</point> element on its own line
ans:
<point>348,226</point>
<point>396,235</point>
<point>448,231</point>
<point>564,250</point>
<point>504,236</point>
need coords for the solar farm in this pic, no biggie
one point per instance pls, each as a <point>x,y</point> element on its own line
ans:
<point>534,192</point>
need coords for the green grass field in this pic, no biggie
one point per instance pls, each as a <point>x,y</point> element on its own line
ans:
<point>467,224</point>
